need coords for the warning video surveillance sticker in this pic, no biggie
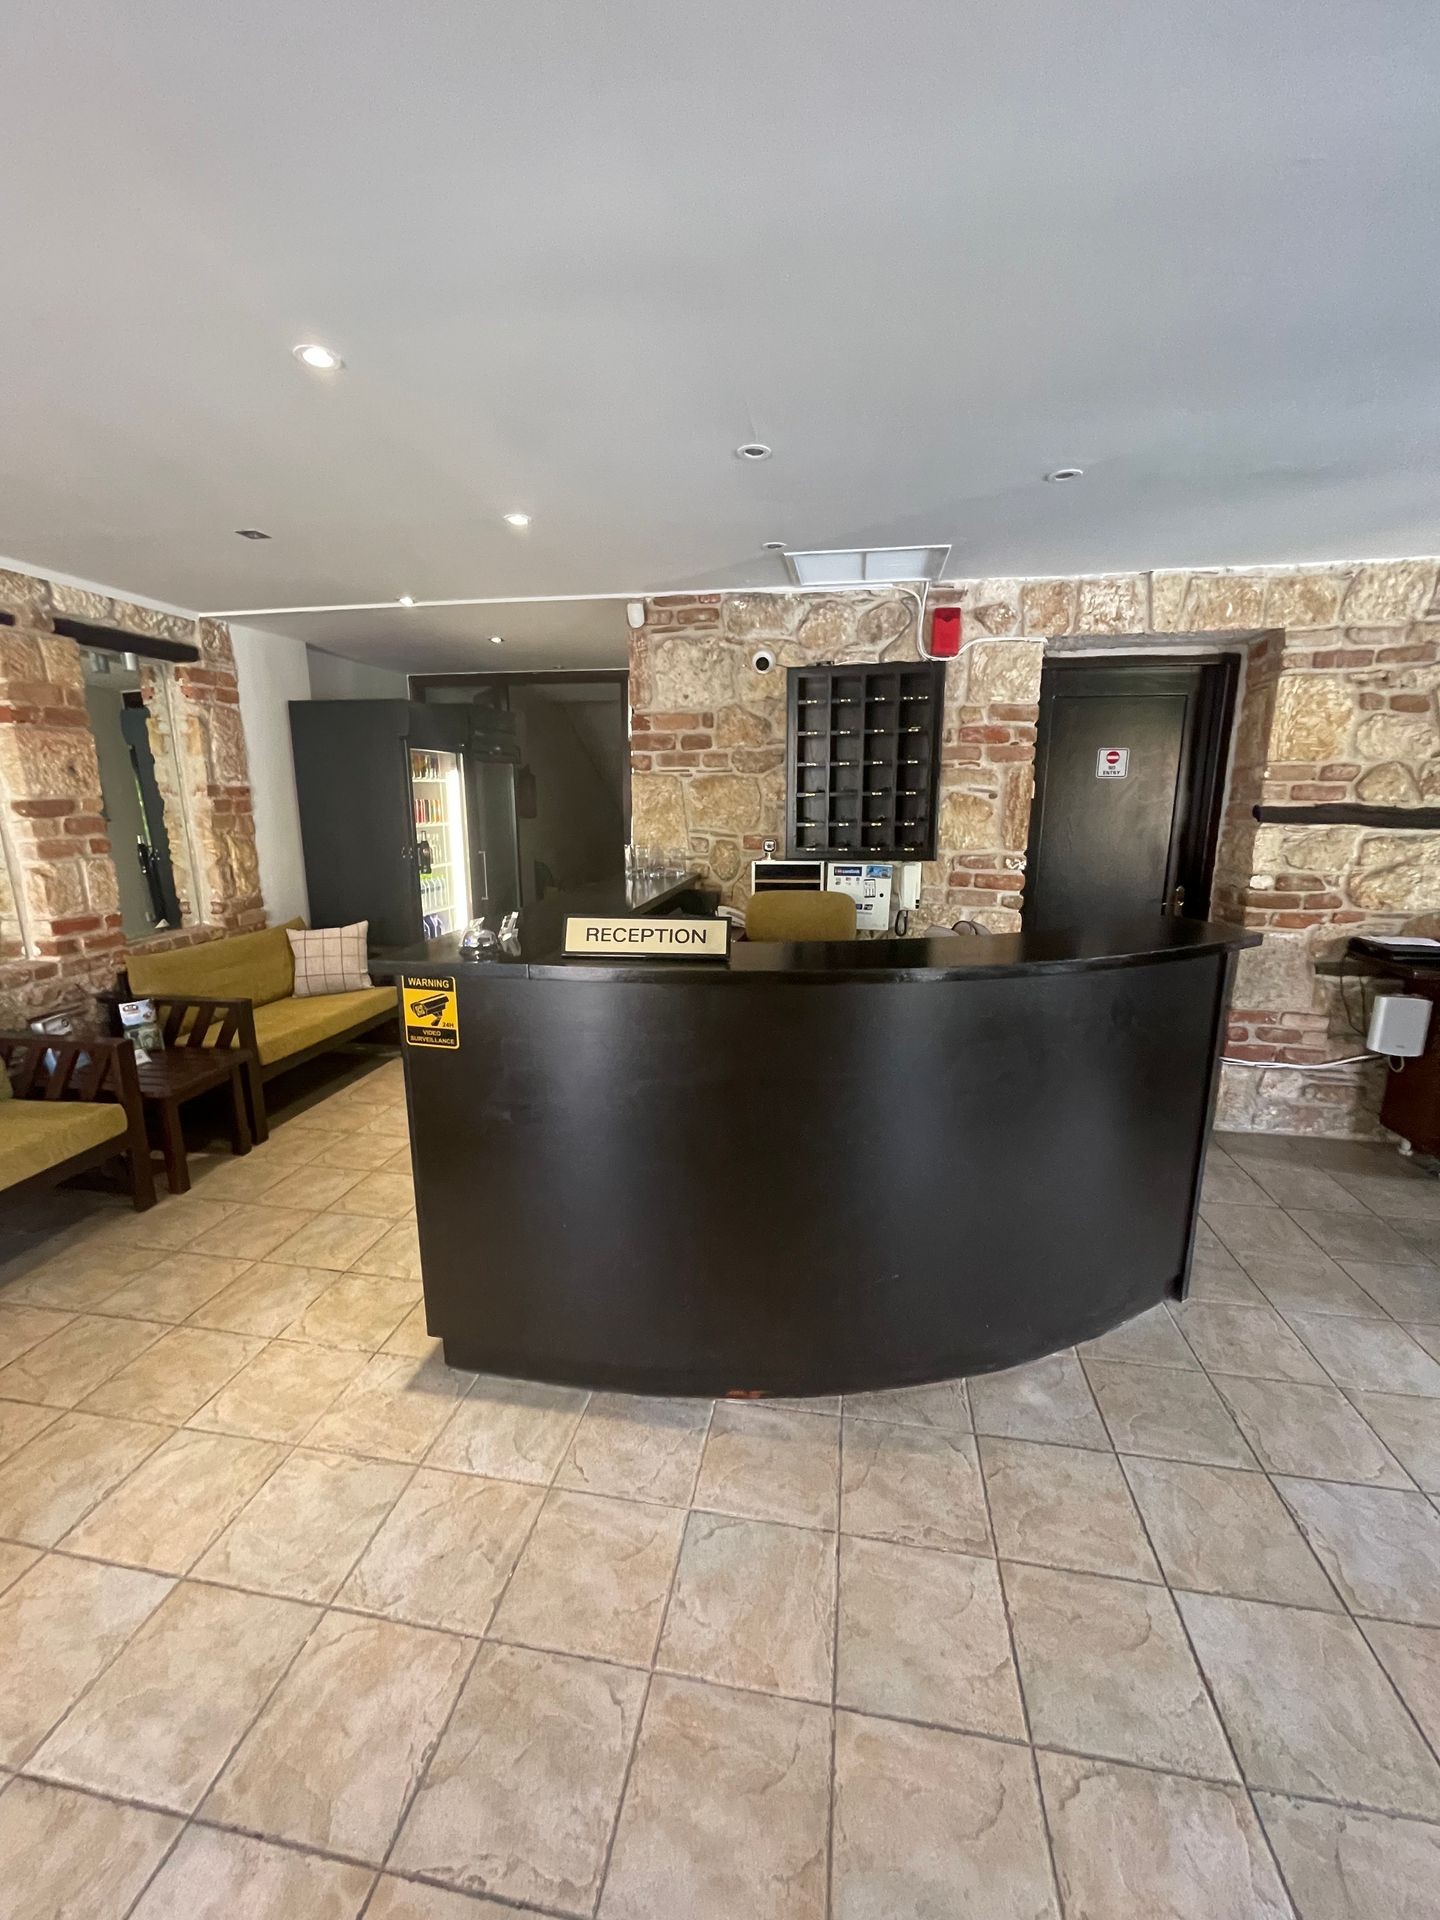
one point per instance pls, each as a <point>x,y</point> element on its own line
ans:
<point>431,1017</point>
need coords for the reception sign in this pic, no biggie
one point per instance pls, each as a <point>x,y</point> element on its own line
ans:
<point>641,939</point>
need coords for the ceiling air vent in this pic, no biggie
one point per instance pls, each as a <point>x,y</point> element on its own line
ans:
<point>865,566</point>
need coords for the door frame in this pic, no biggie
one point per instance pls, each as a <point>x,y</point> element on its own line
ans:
<point>1206,738</point>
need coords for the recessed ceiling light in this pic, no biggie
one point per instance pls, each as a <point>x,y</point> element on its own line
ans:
<point>773,546</point>
<point>407,599</point>
<point>320,359</point>
<point>497,639</point>
<point>753,450</point>
<point>517,519</point>
<point>251,533</point>
<point>1066,473</point>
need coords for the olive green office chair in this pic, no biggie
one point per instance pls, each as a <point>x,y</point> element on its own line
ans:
<point>799,914</point>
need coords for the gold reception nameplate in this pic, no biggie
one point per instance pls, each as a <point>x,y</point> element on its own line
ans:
<point>429,1014</point>
<point>642,939</point>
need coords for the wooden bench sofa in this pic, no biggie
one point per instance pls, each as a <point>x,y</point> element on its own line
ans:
<point>243,986</point>
<point>65,1106</point>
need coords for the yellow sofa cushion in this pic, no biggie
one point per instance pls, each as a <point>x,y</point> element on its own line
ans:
<point>38,1134</point>
<point>246,966</point>
<point>289,1026</point>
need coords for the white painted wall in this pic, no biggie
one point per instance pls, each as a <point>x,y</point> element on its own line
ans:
<point>273,670</point>
<point>332,678</point>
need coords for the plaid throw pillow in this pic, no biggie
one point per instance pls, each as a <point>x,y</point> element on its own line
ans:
<point>330,959</point>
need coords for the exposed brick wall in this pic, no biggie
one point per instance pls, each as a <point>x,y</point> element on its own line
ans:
<point>1342,668</point>
<point>60,928</point>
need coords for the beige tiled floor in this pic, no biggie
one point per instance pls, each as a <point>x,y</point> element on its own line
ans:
<point>295,1621</point>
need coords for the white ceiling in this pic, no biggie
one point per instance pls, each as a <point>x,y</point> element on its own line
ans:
<point>575,253</point>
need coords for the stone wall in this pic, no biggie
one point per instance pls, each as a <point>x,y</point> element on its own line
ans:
<point>60,928</point>
<point>1342,668</point>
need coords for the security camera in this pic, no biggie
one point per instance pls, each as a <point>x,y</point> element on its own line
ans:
<point>762,660</point>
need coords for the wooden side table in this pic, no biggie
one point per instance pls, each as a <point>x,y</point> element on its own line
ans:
<point>173,1075</point>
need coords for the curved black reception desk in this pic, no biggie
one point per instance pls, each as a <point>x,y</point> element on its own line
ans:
<point>814,1168</point>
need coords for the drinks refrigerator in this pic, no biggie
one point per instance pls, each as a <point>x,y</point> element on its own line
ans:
<point>407,815</point>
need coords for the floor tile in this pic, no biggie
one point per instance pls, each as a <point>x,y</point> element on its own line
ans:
<point>250,1231</point>
<point>1380,1548</point>
<point>1246,1229</point>
<point>56,1478</point>
<point>1151,1339</point>
<point>510,1430</point>
<point>176,1502</point>
<point>281,1393</point>
<point>229,1876</point>
<point>165,1716</point>
<point>943,1404</point>
<point>1246,1340</point>
<point>412,1336</point>
<point>1133,1845</point>
<point>1368,1354</point>
<point>593,1578</point>
<point>445,1551</point>
<point>265,1300</point>
<point>763,1463</point>
<point>1314,1285</point>
<point>78,1278</point>
<point>916,1485</point>
<point>1410,1427</point>
<point>1346,1739</point>
<point>306,1527</point>
<point>1406,1292</point>
<point>61,1623</point>
<point>241,1177</point>
<point>923,1636</point>
<point>70,1857</point>
<point>1106,1670</point>
<point>1227,1184</point>
<point>1428,1338</point>
<point>753,1606</point>
<point>520,1798</point>
<point>637,1448</point>
<point>20,1421</point>
<point>175,1377</point>
<point>14,1561</point>
<point>1411,1196</point>
<point>1167,1415</point>
<point>360,1310</point>
<point>1065,1507</point>
<point>1422,1240</point>
<point>760,1850</point>
<point>1308,1431</point>
<point>384,1196</point>
<point>23,1327</point>
<point>1043,1400</point>
<point>396,1253</point>
<point>393,1409</point>
<point>413,1900</point>
<point>336,1754</point>
<point>63,1369</point>
<point>1411,1657</point>
<point>1218,1276</point>
<point>312,1187</point>
<point>1346,1865</point>
<point>175,1286</point>
<point>178,1221</point>
<point>334,1240</point>
<point>930,1822</point>
<point>360,1152</point>
<point>1219,1530</point>
<point>1353,1236</point>
<point>1307,1188</point>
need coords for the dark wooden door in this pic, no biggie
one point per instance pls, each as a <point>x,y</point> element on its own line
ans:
<point>1129,776</point>
<point>352,777</point>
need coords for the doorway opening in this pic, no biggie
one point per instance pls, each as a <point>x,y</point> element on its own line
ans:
<point>1130,763</point>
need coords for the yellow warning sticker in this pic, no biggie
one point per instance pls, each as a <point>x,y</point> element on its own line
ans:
<point>431,1015</point>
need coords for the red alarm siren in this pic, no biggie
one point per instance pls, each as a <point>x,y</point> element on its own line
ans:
<point>945,633</point>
